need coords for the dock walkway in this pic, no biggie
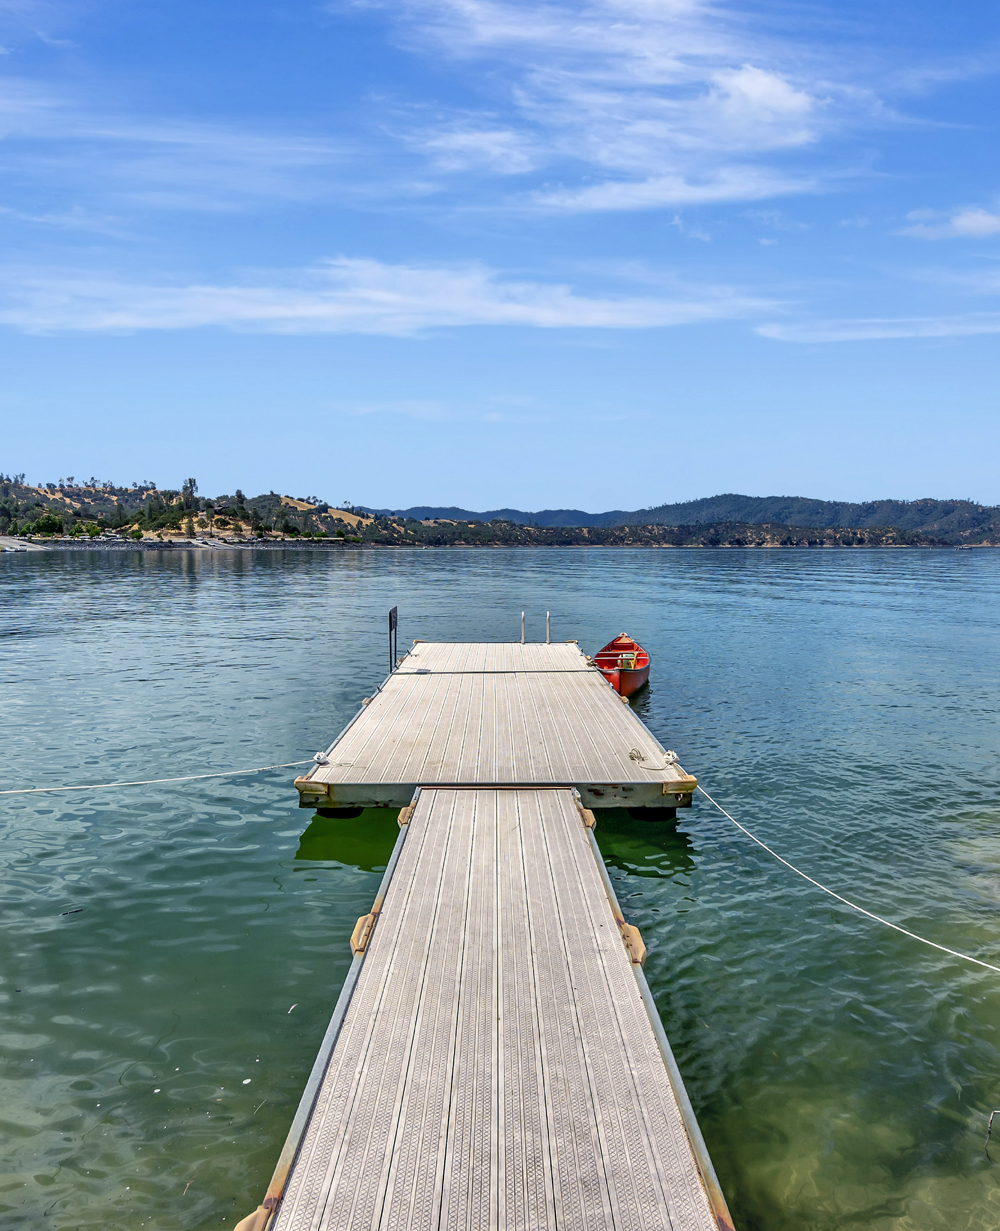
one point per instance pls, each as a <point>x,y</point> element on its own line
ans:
<point>495,1061</point>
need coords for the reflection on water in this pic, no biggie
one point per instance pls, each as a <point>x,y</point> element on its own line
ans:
<point>364,841</point>
<point>640,847</point>
<point>153,1044</point>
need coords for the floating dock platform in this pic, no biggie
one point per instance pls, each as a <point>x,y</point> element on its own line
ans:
<point>496,715</point>
<point>495,1061</point>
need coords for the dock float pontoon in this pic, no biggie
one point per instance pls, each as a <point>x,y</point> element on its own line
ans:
<point>495,1061</point>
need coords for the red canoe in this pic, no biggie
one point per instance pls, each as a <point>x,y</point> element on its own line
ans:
<point>624,664</point>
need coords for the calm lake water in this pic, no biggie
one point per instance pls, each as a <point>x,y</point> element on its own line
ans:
<point>843,705</point>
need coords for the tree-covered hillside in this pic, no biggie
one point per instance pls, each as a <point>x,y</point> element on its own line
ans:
<point>546,517</point>
<point>143,510</point>
<point>96,507</point>
<point>938,517</point>
<point>958,521</point>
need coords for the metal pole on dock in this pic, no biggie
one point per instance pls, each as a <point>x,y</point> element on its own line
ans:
<point>393,639</point>
<point>522,628</point>
<point>548,629</point>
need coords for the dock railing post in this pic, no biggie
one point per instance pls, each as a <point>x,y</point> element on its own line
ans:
<point>548,629</point>
<point>393,638</point>
<point>522,628</point>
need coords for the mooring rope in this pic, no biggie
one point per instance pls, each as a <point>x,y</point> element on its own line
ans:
<point>103,786</point>
<point>965,957</point>
<point>261,769</point>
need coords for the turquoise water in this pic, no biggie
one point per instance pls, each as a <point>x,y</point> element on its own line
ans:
<point>844,705</point>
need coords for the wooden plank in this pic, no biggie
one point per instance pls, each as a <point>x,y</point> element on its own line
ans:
<point>497,1067</point>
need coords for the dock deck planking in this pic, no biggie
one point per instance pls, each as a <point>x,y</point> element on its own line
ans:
<point>498,656</point>
<point>496,715</point>
<point>497,1066</point>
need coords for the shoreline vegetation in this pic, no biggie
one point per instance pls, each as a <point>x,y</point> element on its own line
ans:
<point>100,515</point>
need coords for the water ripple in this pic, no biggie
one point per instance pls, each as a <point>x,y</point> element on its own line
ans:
<point>843,704</point>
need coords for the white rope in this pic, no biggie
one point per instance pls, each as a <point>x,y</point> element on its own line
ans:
<point>102,786</point>
<point>853,905</point>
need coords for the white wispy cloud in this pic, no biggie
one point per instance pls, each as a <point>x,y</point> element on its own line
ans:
<point>960,325</point>
<point>968,222</point>
<point>690,231</point>
<point>734,183</point>
<point>637,104</point>
<point>73,219</point>
<point>49,136</point>
<point>621,105</point>
<point>349,295</point>
<point>493,149</point>
<point>775,220</point>
<point>32,17</point>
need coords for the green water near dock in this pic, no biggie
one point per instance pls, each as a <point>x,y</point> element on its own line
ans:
<point>170,955</point>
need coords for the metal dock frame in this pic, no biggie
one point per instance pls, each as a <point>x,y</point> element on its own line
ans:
<point>495,1059</point>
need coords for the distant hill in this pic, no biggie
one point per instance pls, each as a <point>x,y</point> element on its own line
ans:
<point>955,520</point>
<point>95,506</point>
<point>932,516</point>
<point>547,517</point>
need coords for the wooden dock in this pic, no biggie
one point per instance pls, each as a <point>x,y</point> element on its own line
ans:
<point>495,1061</point>
<point>502,715</point>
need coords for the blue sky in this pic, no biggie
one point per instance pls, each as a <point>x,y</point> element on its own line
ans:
<point>490,253</point>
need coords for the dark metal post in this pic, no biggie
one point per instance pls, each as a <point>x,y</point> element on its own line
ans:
<point>393,639</point>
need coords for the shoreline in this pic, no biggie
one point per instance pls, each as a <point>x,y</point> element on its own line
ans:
<point>12,546</point>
